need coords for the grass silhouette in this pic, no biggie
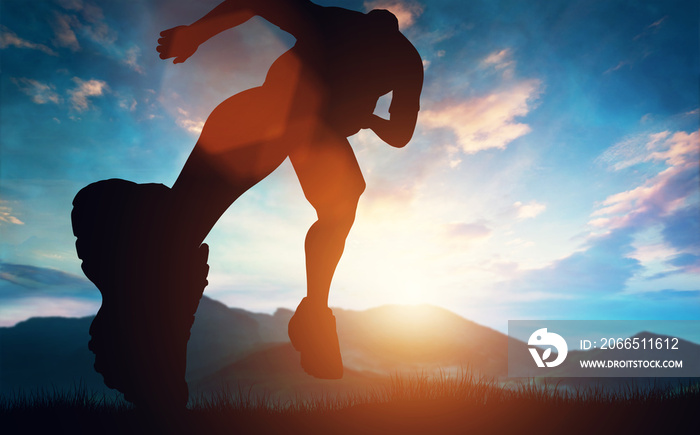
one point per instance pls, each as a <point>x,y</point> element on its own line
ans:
<point>406,404</point>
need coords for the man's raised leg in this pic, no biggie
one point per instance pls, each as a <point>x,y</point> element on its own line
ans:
<point>234,152</point>
<point>332,182</point>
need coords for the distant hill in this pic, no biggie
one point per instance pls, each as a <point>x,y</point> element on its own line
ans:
<point>46,353</point>
<point>234,345</point>
<point>235,348</point>
<point>219,336</point>
<point>414,338</point>
<point>52,351</point>
<point>274,370</point>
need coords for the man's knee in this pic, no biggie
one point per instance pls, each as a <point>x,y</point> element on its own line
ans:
<point>359,189</point>
<point>340,210</point>
<point>351,194</point>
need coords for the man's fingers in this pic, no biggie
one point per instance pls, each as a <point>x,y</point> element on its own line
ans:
<point>163,52</point>
<point>167,46</point>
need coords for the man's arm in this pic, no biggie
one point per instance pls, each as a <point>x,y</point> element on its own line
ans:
<point>405,103</point>
<point>397,130</point>
<point>293,16</point>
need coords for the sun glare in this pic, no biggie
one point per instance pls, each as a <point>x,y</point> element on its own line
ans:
<point>412,320</point>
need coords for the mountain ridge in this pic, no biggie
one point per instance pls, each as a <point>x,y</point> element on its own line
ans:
<point>233,347</point>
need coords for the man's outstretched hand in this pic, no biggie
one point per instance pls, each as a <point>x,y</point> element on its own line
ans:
<point>177,42</point>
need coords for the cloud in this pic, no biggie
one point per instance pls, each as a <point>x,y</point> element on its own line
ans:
<point>682,229</point>
<point>650,252</point>
<point>9,39</point>
<point>641,49</point>
<point>486,122</point>
<point>184,120</point>
<point>187,115</point>
<point>529,210</point>
<point>651,231</point>
<point>41,93</point>
<point>681,149</point>
<point>16,311</point>
<point>617,67</point>
<point>88,11</point>
<point>631,150</point>
<point>471,231</point>
<point>88,21</point>
<point>96,29</point>
<point>662,194</point>
<point>405,11</point>
<point>128,103</point>
<point>32,277</point>
<point>30,291</point>
<point>101,33</point>
<point>131,59</point>
<point>651,28</point>
<point>85,89</point>
<point>663,211</point>
<point>687,262</point>
<point>520,243</point>
<point>73,5</point>
<point>657,23</point>
<point>604,266</point>
<point>63,26</point>
<point>7,216</point>
<point>501,60</point>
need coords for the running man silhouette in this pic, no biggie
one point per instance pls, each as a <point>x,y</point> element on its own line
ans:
<point>324,89</point>
<point>315,95</point>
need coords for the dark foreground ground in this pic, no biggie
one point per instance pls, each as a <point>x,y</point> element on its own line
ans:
<point>407,407</point>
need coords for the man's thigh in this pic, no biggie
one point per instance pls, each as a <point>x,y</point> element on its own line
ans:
<point>328,172</point>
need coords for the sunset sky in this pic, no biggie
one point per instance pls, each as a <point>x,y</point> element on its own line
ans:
<point>554,172</point>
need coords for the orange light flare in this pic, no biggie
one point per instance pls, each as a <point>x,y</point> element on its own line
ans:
<point>423,336</point>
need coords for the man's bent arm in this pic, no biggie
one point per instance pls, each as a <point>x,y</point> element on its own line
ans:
<point>289,15</point>
<point>395,131</point>
<point>226,15</point>
<point>294,16</point>
<point>405,101</point>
